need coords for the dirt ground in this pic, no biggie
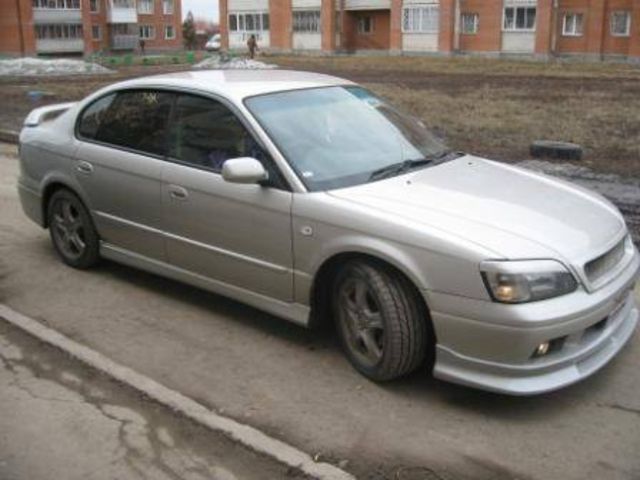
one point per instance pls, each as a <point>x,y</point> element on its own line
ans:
<point>493,108</point>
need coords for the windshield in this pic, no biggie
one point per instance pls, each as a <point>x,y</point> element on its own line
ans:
<point>335,137</point>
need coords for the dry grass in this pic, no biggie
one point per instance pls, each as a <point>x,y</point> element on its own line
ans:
<point>462,65</point>
<point>494,108</point>
<point>502,122</point>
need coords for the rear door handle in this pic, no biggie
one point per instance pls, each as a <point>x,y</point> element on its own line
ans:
<point>178,192</point>
<point>84,167</point>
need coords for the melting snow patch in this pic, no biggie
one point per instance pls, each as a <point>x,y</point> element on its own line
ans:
<point>38,66</point>
<point>221,63</point>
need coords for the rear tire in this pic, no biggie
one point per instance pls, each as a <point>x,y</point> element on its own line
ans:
<point>71,229</point>
<point>383,326</point>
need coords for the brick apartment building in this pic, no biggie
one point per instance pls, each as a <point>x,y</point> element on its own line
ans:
<point>584,28</point>
<point>55,27</point>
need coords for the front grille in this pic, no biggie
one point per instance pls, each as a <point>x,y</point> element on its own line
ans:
<point>600,266</point>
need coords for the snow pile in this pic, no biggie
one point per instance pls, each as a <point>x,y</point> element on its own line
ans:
<point>222,63</point>
<point>38,66</point>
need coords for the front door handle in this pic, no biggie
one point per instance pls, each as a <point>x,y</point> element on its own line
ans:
<point>178,192</point>
<point>84,167</point>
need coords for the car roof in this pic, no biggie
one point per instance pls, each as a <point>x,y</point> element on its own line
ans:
<point>237,84</point>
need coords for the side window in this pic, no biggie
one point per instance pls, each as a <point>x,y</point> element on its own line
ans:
<point>205,133</point>
<point>137,119</point>
<point>93,116</point>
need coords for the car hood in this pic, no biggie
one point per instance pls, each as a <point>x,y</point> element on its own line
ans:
<point>513,212</point>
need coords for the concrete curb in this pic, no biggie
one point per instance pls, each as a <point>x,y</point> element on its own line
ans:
<point>9,136</point>
<point>244,434</point>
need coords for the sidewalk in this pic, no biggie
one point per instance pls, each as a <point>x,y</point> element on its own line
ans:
<point>58,419</point>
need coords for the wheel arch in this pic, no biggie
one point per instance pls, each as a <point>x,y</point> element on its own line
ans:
<point>51,186</point>
<point>325,275</point>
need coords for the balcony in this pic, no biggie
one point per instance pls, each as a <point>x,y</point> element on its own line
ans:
<point>56,15</point>
<point>124,42</point>
<point>60,45</point>
<point>122,11</point>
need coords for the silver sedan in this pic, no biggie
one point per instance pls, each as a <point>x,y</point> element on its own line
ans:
<point>311,198</point>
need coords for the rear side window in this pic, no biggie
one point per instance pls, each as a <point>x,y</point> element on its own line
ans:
<point>93,116</point>
<point>135,119</point>
<point>205,133</point>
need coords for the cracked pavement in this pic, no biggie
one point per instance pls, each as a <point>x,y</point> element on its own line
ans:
<point>59,419</point>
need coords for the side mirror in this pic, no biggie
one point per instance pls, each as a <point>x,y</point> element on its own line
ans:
<point>243,170</point>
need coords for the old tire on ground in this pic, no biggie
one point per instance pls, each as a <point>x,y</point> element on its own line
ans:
<point>381,323</point>
<point>72,232</point>
<point>554,149</point>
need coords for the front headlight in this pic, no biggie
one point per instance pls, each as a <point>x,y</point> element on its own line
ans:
<point>526,280</point>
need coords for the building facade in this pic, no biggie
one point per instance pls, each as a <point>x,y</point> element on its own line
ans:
<point>584,28</point>
<point>55,27</point>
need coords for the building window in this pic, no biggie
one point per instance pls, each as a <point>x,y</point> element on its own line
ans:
<point>469,23</point>
<point>422,19</point>
<point>620,24</point>
<point>96,34</point>
<point>123,29</point>
<point>124,3</point>
<point>58,32</point>
<point>167,7</point>
<point>169,32</point>
<point>572,24</point>
<point>365,25</point>
<point>147,32</point>
<point>306,21</point>
<point>57,4</point>
<point>94,6</point>
<point>248,22</point>
<point>145,7</point>
<point>519,19</point>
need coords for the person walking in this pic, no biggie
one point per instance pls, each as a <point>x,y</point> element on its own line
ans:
<point>142,44</point>
<point>252,45</point>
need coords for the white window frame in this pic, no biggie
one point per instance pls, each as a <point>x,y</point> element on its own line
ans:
<point>149,32</point>
<point>97,4</point>
<point>515,9</point>
<point>612,23</point>
<point>361,24</point>
<point>173,35</point>
<point>63,31</point>
<point>93,37</point>
<point>258,18</point>
<point>124,3</point>
<point>146,11</point>
<point>570,24</point>
<point>308,21</point>
<point>421,18</point>
<point>168,7</point>
<point>463,23</point>
<point>56,4</point>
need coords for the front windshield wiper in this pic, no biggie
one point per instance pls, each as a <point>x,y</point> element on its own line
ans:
<point>407,165</point>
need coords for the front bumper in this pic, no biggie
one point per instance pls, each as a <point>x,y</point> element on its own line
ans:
<point>489,346</point>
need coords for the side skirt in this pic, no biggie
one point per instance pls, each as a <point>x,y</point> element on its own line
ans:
<point>294,312</point>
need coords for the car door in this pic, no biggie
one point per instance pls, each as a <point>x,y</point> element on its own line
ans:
<point>232,233</point>
<point>119,167</point>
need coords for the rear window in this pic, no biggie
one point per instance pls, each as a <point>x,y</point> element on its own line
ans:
<point>134,119</point>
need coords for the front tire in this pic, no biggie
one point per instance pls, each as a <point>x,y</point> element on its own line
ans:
<point>72,232</point>
<point>381,323</point>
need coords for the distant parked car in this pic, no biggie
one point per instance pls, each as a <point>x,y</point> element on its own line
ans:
<point>310,197</point>
<point>213,44</point>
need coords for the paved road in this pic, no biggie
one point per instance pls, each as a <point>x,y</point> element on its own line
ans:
<point>296,385</point>
<point>60,420</point>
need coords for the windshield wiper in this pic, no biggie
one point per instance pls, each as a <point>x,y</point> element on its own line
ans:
<point>399,168</point>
